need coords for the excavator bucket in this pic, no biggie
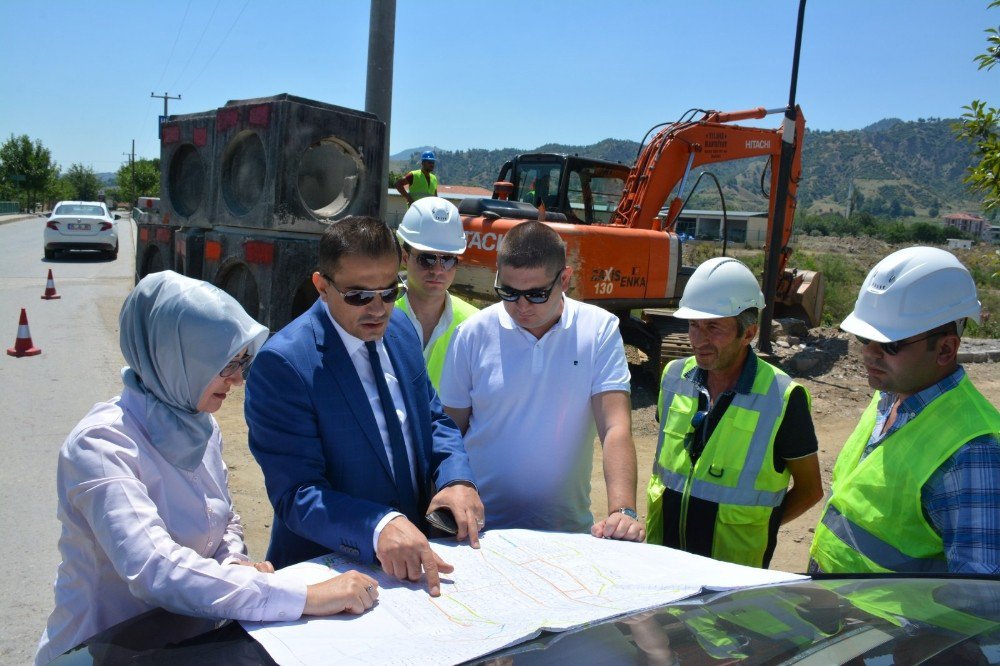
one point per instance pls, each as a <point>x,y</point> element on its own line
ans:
<point>800,295</point>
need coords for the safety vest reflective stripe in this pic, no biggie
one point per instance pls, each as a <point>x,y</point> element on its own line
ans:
<point>878,523</point>
<point>878,551</point>
<point>735,470</point>
<point>674,382</point>
<point>769,406</point>
<point>743,495</point>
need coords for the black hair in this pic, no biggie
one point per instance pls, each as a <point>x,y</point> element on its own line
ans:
<point>532,245</point>
<point>356,236</point>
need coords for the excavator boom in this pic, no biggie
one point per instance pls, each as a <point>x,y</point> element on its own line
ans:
<point>624,252</point>
<point>674,152</point>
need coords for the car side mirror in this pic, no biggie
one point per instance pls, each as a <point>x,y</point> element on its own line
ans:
<point>117,216</point>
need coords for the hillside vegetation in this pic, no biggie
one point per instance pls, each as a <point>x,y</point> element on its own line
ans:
<point>896,168</point>
<point>846,260</point>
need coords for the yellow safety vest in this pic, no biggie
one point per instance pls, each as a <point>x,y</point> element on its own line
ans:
<point>735,470</point>
<point>420,187</point>
<point>435,353</point>
<point>874,521</point>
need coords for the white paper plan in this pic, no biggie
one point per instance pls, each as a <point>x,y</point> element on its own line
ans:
<point>516,585</point>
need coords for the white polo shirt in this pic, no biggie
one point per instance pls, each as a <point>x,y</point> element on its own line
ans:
<point>531,433</point>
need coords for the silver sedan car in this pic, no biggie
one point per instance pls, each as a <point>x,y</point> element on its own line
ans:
<point>81,225</point>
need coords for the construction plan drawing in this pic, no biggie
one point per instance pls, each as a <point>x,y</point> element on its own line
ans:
<point>518,584</point>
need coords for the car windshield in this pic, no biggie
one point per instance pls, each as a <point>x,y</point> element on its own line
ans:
<point>79,209</point>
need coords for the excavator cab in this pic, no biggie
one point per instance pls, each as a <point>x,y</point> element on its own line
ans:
<point>585,190</point>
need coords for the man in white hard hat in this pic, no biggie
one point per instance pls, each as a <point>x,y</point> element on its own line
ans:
<point>916,487</point>
<point>530,382</point>
<point>432,239</point>
<point>735,430</point>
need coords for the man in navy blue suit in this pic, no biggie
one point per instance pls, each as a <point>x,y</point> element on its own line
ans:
<point>353,441</point>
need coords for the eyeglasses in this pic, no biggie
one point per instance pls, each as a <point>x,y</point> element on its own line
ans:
<point>893,348</point>
<point>241,364</point>
<point>427,261</point>
<point>362,297</point>
<point>535,296</point>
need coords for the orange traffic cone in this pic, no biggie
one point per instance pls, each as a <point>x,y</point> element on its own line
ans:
<point>23,345</point>
<point>50,289</point>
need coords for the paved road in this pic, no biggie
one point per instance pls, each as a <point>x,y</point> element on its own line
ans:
<point>41,399</point>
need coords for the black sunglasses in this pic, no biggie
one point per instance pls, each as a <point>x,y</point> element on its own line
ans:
<point>362,297</point>
<point>893,348</point>
<point>535,296</point>
<point>240,364</point>
<point>427,261</point>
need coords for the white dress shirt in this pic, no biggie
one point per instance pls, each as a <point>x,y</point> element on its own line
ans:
<point>359,357</point>
<point>139,533</point>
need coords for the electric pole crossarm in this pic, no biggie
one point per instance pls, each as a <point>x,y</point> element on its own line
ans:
<point>165,97</point>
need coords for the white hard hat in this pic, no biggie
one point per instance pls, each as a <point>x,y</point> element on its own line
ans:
<point>720,287</point>
<point>432,224</point>
<point>912,291</point>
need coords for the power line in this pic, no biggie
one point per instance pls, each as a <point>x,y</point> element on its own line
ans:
<point>195,49</point>
<point>177,37</point>
<point>219,46</point>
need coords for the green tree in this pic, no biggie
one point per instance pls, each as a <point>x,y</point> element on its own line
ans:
<point>25,169</point>
<point>147,180</point>
<point>58,189</point>
<point>980,126</point>
<point>84,182</point>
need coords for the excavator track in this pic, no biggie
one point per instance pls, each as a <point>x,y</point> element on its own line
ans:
<point>672,335</point>
<point>673,346</point>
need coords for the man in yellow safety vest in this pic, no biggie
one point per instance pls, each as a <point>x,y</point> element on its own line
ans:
<point>734,430</point>
<point>916,487</point>
<point>422,182</point>
<point>432,238</point>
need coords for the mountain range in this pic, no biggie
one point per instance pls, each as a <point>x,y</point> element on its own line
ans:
<point>891,167</point>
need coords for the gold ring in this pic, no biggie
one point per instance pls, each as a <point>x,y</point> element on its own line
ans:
<point>481,523</point>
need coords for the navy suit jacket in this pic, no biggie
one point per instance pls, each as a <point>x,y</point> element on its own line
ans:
<point>313,433</point>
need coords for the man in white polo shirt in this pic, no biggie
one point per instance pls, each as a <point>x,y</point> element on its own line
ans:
<point>530,381</point>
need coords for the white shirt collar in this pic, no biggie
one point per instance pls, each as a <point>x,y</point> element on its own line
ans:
<point>352,343</point>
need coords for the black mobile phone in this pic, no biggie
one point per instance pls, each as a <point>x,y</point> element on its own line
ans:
<point>443,519</point>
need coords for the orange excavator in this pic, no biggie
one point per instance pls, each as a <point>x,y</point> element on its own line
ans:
<point>620,232</point>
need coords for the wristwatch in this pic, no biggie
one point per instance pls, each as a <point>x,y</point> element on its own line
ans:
<point>628,512</point>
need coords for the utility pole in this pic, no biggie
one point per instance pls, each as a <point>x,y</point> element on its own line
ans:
<point>378,89</point>
<point>165,96</point>
<point>774,248</point>
<point>131,163</point>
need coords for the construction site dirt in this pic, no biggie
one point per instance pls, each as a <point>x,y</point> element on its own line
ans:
<point>833,374</point>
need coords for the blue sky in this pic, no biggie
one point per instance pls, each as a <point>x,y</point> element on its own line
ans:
<point>475,74</point>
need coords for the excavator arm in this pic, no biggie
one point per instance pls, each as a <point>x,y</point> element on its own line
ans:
<point>666,162</point>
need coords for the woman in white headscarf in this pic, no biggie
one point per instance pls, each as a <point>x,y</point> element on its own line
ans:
<point>147,520</point>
